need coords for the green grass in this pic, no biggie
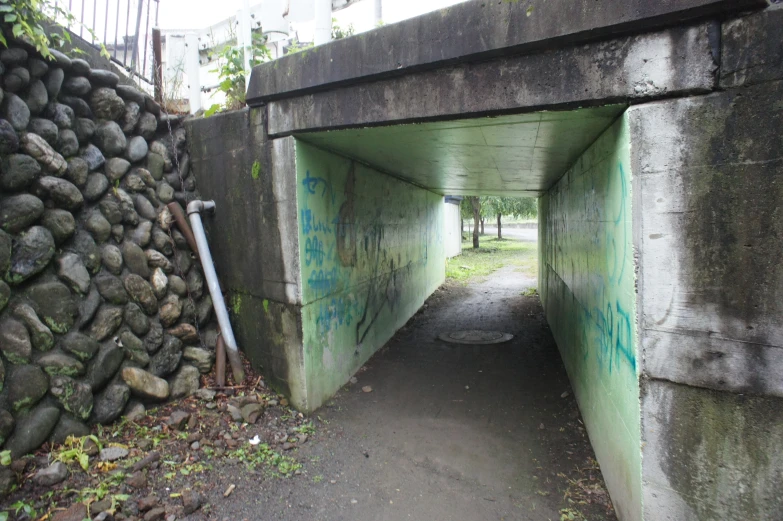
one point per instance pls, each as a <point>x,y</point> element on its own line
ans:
<point>493,254</point>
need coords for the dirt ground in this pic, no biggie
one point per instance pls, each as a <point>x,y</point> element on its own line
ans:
<point>447,432</point>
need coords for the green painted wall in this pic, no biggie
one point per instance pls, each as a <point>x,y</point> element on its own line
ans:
<point>587,285</point>
<point>371,251</point>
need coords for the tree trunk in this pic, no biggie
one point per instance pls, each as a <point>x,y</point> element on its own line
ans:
<point>482,226</point>
<point>500,236</point>
<point>476,203</point>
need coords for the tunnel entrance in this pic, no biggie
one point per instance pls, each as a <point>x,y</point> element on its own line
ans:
<point>372,249</point>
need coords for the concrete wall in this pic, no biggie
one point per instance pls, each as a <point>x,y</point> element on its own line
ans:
<point>371,250</point>
<point>587,288</point>
<point>253,237</point>
<point>710,227</point>
<point>452,230</point>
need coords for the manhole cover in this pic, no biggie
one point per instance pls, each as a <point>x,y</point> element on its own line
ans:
<point>476,336</point>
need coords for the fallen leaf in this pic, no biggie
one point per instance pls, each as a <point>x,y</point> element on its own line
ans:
<point>367,389</point>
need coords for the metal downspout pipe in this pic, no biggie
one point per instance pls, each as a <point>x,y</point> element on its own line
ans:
<point>232,353</point>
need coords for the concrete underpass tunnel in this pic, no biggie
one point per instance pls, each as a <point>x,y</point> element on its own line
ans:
<point>371,241</point>
<point>659,218</point>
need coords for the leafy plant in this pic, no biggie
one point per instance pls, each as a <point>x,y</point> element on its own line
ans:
<point>296,46</point>
<point>29,20</point>
<point>231,72</point>
<point>339,33</point>
<point>74,451</point>
<point>24,507</point>
<point>263,455</point>
<point>307,428</point>
<point>5,458</point>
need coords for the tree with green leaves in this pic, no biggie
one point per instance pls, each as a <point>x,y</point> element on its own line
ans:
<point>513,206</point>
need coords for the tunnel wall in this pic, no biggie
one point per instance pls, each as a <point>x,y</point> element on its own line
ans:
<point>371,250</point>
<point>587,287</point>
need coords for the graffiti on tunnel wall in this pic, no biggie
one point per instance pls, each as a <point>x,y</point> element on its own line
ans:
<point>371,250</point>
<point>589,247</point>
<point>614,328</point>
<point>588,289</point>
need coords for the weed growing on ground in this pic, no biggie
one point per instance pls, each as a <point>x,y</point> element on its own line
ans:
<point>73,450</point>
<point>264,456</point>
<point>493,254</point>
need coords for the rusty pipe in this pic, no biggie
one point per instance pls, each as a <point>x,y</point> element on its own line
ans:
<point>182,224</point>
<point>220,362</point>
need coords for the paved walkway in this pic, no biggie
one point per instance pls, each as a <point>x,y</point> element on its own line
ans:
<point>463,433</point>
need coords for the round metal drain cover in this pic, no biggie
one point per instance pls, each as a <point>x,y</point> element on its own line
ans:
<point>476,336</point>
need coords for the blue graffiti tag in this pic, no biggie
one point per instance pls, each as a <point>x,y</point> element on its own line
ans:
<point>323,282</point>
<point>311,224</point>
<point>311,183</point>
<point>337,311</point>
<point>314,251</point>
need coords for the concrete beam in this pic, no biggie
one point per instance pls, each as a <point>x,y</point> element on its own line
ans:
<point>752,49</point>
<point>628,69</point>
<point>469,32</point>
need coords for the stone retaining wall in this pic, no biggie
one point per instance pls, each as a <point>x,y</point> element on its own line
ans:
<point>100,297</point>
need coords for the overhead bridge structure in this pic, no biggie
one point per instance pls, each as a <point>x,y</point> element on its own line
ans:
<point>651,133</point>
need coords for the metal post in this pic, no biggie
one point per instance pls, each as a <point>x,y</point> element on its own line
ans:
<point>378,12</point>
<point>157,61</point>
<point>146,41</point>
<point>323,21</point>
<point>194,209</point>
<point>247,40</point>
<point>125,44</point>
<point>135,54</point>
<point>194,71</point>
<point>81,21</point>
<point>106,23</point>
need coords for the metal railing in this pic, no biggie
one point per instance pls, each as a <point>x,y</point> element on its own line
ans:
<point>124,27</point>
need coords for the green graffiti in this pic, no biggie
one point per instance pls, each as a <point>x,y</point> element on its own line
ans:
<point>256,172</point>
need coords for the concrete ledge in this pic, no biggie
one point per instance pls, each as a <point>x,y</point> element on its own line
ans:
<point>471,31</point>
<point>716,363</point>
<point>628,69</point>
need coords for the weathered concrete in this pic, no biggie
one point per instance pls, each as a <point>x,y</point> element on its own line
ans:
<point>236,166</point>
<point>253,234</point>
<point>675,61</point>
<point>710,230</point>
<point>469,32</point>
<point>752,49</point>
<point>587,286</point>
<point>708,226</point>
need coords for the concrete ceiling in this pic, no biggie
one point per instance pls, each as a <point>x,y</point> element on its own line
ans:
<point>516,155</point>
